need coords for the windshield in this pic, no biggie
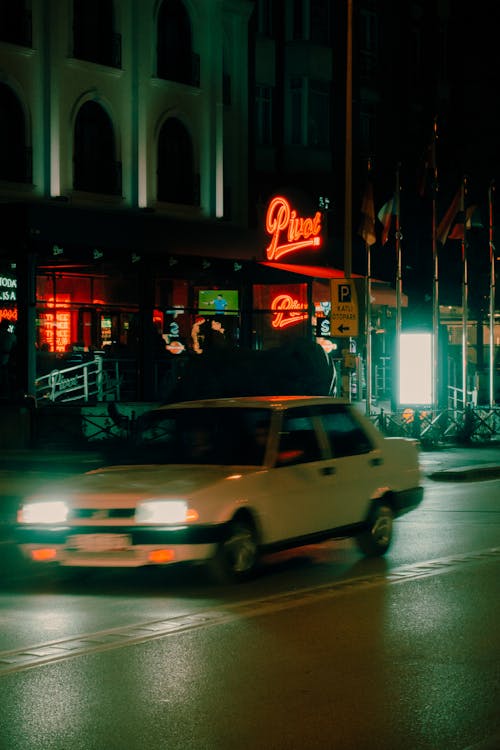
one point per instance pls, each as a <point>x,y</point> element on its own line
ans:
<point>206,436</point>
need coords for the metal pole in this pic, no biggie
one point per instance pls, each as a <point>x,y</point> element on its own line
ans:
<point>398,264</point>
<point>348,149</point>
<point>435,285</point>
<point>465,286</point>
<point>492,295</point>
<point>368,329</point>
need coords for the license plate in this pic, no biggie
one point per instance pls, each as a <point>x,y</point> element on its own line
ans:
<point>98,542</point>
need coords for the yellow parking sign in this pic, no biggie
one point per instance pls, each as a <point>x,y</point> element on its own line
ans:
<point>344,317</point>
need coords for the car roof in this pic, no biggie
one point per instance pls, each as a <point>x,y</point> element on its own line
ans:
<point>275,403</point>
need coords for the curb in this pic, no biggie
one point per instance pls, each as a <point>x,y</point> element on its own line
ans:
<point>466,473</point>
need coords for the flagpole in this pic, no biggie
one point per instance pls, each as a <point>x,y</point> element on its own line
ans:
<point>491,191</point>
<point>348,150</point>
<point>399,280</point>
<point>368,319</point>
<point>435,281</point>
<point>367,231</point>
<point>465,288</point>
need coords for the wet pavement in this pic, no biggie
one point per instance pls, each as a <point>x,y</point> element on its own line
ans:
<point>458,462</point>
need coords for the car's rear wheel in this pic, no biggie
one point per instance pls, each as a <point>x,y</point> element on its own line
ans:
<point>237,556</point>
<point>376,539</point>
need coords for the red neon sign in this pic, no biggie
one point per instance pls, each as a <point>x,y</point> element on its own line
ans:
<point>55,327</point>
<point>288,231</point>
<point>287,311</point>
<point>8,313</point>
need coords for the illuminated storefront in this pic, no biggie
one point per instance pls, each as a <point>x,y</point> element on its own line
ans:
<point>85,310</point>
<point>141,291</point>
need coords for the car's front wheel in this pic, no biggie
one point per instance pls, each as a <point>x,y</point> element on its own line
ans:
<point>376,539</point>
<point>237,556</point>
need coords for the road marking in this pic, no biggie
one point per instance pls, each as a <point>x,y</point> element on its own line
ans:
<point>20,659</point>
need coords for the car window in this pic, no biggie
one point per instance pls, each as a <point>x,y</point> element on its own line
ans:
<point>208,436</point>
<point>298,442</point>
<point>345,435</point>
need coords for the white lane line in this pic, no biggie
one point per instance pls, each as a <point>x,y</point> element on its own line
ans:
<point>37,655</point>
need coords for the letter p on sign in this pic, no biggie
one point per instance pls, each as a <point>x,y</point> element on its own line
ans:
<point>344,292</point>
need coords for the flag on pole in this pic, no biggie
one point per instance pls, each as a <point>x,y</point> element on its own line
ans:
<point>472,219</point>
<point>367,226</point>
<point>385,218</point>
<point>449,217</point>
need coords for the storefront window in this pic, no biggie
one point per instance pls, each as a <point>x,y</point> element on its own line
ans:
<point>86,312</point>
<point>280,313</point>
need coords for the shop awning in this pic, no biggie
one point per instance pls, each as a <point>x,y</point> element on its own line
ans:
<point>313,272</point>
<point>382,292</point>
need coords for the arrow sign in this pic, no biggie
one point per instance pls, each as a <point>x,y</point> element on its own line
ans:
<point>344,310</point>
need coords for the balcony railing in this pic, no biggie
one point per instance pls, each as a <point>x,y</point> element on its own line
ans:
<point>17,28</point>
<point>175,70</point>
<point>17,167</point>
<point>99,179</point>
<point>104,51</point>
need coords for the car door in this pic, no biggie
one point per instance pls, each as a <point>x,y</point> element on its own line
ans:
<point>299,485</point>
<point>356,464</point>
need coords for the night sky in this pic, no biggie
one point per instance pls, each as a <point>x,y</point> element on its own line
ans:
<point>468,144</point>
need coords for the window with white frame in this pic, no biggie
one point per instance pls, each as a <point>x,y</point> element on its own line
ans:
<point>367,120</point>
<point>319,15</point>
<point>297,30</point>
<point>309,20</point>
<point>297,112</point>
<point>319,114</point>
<point>264,17</point>
<point>368,31</point>
<point>368,44</point>
<point>309,113</point>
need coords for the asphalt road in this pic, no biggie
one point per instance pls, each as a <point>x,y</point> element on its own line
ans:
<point>325,650</point>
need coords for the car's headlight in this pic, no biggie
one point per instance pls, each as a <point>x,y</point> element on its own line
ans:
<point>165,511</point>
<point>50,511</point>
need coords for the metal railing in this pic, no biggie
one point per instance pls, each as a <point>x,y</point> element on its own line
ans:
<point>474,424</point>
<point>107,380</point>
<point>89,381</point>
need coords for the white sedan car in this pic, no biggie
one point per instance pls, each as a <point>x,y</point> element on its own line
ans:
<point>222,481</point>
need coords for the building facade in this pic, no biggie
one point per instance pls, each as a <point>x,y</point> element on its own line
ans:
<point>141,144</point>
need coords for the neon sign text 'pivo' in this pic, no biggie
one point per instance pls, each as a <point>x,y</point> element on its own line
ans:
<point>287,311</point>
<point>288,231</point>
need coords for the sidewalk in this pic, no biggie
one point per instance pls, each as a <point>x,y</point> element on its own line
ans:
<point>456,463</point>
<point>51,459</point>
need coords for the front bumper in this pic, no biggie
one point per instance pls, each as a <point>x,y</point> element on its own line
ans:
<point>117,546</point>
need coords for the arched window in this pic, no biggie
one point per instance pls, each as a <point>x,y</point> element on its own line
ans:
<point>176,179</point>
<point>15,157</point>
<point>94,38</point>
<point>95,168</point>
<point>176,61</point>
<point>15,22</point>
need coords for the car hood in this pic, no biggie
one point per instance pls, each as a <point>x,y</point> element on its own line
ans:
<point>130,483</point>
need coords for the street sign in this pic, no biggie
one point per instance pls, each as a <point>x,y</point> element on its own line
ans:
<point>344,316</point>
